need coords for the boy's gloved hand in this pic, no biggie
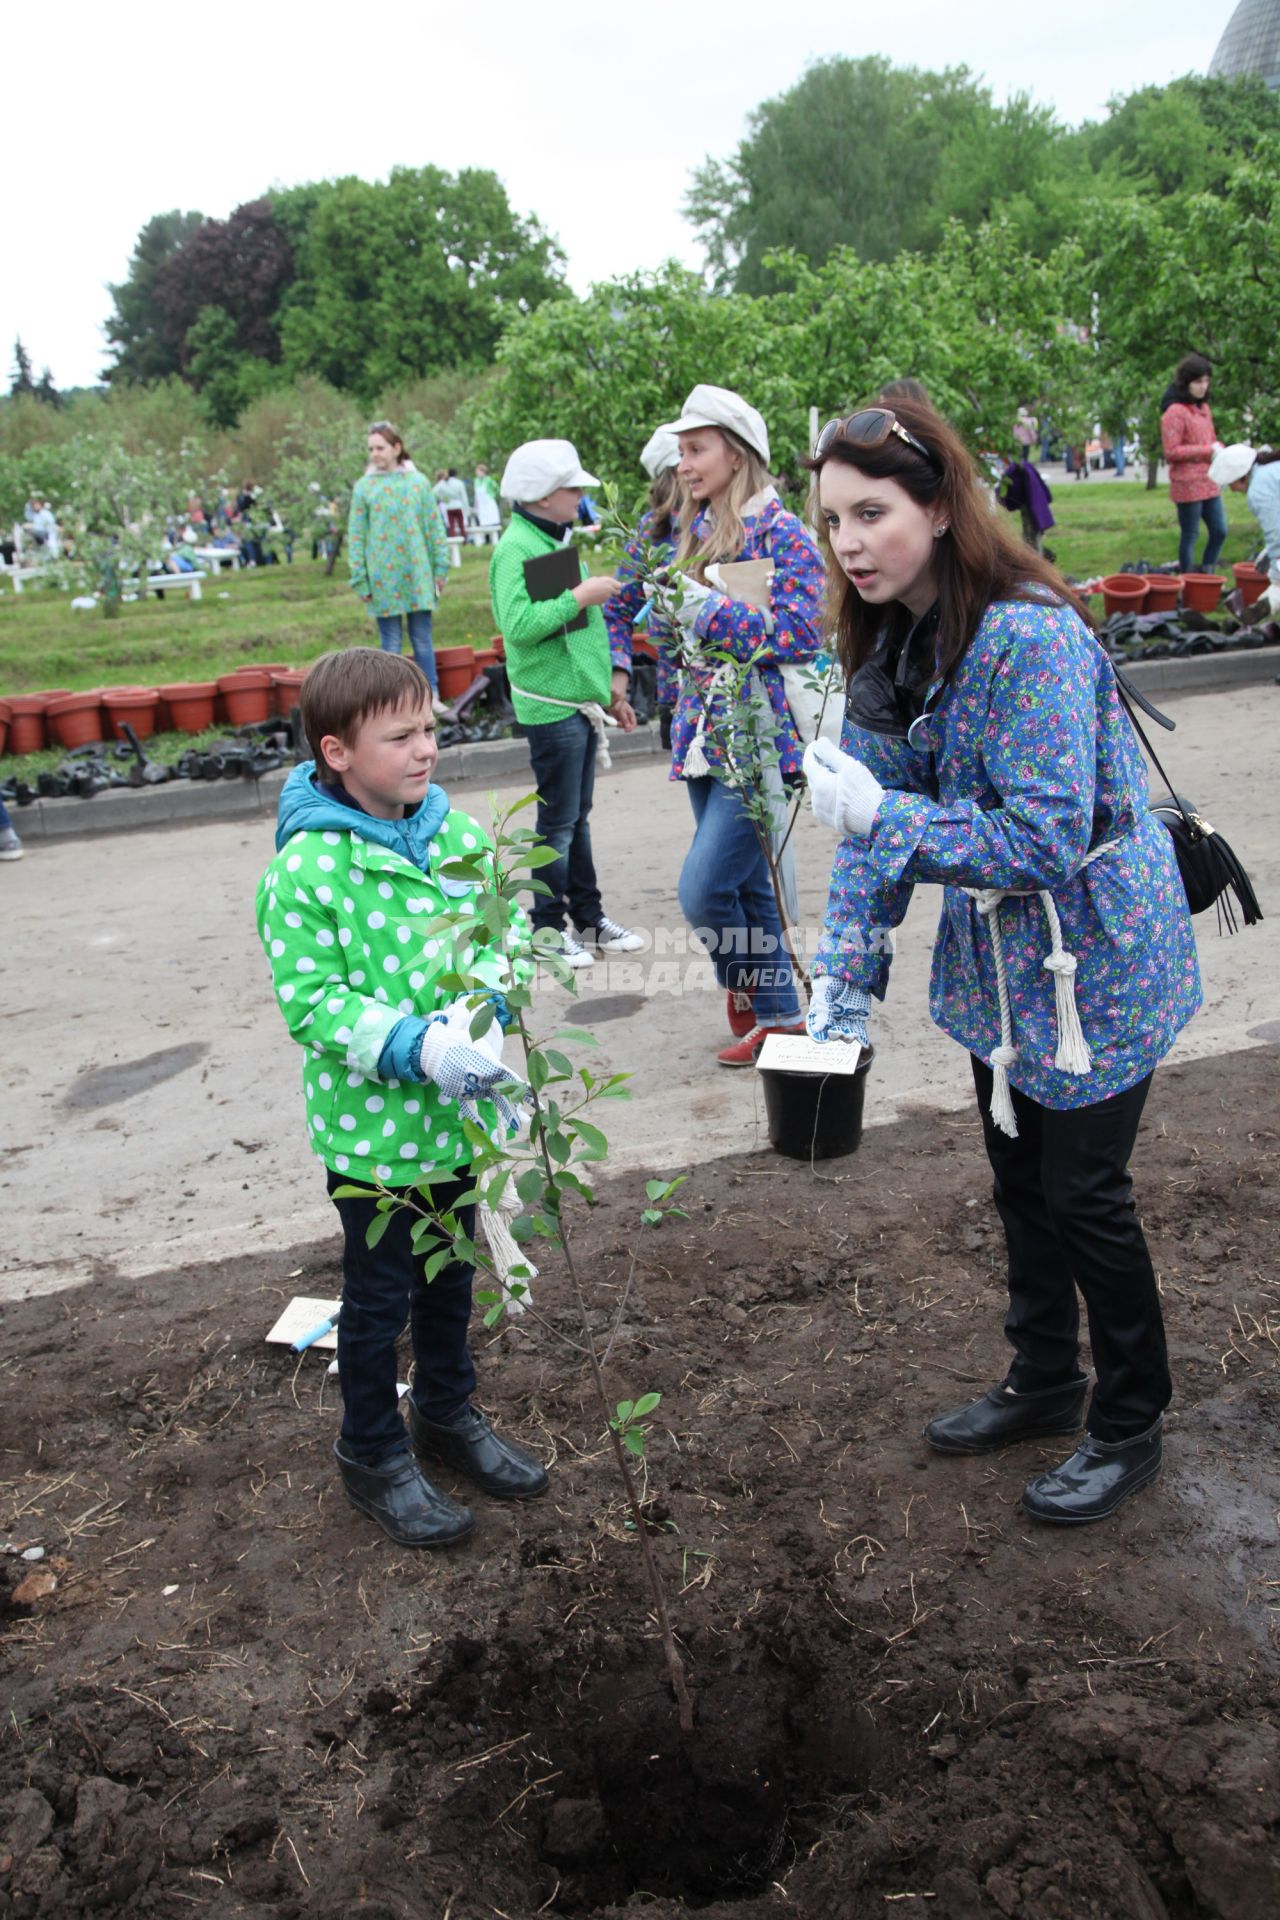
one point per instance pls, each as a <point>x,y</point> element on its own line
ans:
<point>468,1070</point>
<point>845,794</point>
<point>838,1010</point>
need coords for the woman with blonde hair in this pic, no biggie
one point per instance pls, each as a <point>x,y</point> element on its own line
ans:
<point>735,514</point>
<point>985,749</point>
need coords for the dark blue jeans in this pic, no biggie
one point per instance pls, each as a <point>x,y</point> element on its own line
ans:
<point>1215,520</point>
<point>1063,1192</point>
<point>563,755</point>
<point>390,636</point>
<point>727,898</point>
<point>382,1287</point>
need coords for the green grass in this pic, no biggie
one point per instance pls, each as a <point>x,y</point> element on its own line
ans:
<point>295,613</point>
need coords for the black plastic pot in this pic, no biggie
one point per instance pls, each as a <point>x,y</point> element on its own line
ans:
<point>815,1116</point>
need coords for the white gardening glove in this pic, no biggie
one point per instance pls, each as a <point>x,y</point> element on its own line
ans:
<point>845,794</point>
<point>687,599</point>
<point>1270,599</point>
<point>468,1070</point>
<point>838,1010</point>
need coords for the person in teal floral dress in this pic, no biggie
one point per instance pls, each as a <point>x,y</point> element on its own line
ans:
<point>986,750</point>
<point>397,549</point>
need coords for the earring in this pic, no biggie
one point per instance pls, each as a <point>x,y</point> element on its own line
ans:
<point>939,531</point>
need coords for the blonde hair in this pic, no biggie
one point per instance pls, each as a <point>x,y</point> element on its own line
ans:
<point>723,534</point>
<point>667,503</point>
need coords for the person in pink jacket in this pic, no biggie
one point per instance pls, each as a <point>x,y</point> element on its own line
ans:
<point>1189,441</point>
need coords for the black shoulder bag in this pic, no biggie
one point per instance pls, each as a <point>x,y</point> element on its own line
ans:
<point>1210,870</point>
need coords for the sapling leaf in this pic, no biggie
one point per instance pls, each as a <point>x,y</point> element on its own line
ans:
<point>645,1404</point>
<point>633,1440</point>
<point>651,1217</point>
<point>529,1185</point>
<point>437,1262</point>
<point>558,1063</point>
<point>352,1193</point>
<point>625,1410</point>
<point>376,1228</point>
<point>576,1034</point>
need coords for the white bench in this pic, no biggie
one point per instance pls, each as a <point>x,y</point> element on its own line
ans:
<point>18,574</point>
<point>217,557</point>
<point>186,582</point>
<point>456,543</point>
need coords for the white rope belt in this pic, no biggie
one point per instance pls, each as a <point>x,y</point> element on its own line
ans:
<point>591,711</point>
<point>1073,1055</point>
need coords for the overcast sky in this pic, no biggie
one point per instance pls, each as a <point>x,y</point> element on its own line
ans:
<point>592,119</point>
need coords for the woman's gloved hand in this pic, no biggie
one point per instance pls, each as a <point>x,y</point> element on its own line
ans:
<point>838,1010</point>
<point>845,794</point>
<point>687,599</point>
<point>468,1070</point>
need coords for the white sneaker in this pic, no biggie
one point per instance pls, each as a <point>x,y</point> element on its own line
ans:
<point>11,848</point>
<point>609,937</point>
<point>574,952</point>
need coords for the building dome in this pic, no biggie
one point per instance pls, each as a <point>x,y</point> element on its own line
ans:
<point>1250,43</point>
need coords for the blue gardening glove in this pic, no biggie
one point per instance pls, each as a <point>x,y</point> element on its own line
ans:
<point>468,1070</point>
<point>845,794</point>
<point>838,1010</point>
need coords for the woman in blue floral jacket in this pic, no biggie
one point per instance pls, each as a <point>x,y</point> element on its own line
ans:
<point>985,749</point>
<point>735,514</point>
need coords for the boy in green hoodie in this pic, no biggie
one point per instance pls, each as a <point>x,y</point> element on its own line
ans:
<point>388,1070</point>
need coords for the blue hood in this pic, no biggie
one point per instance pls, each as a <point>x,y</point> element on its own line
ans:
<point>306,808</point>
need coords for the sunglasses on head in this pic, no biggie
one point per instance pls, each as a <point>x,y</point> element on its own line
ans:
<point>870,428</point>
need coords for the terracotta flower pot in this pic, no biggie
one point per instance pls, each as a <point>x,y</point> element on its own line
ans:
<point>190,704</point>
<point>285,684</point>
<point>246,696</point>
<point>1251,580</point>
<point>134,706</point>
<point>485,657</point>
<point>27,733</point>
<point>457,669</point>
<point>75,720</point>
<point>1162,592</point>
<point>499,646</point>
<point>1124,593</point>
<point>4,724</point>
<point>1201,592</point>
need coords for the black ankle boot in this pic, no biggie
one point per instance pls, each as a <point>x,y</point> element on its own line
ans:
<point>469,1445</point>
<point>397,1494</point>
<point>1002,1417</point>
<point>1098,1477</point>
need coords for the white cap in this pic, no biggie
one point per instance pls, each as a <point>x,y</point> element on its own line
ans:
<point>660,451</point>
<point>540,467</point>
<point>1231,463</point>
<point>719,407</point>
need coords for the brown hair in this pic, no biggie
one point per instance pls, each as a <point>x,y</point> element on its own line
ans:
<point>978,562</point>
<point>666,504</point>
<point>391,434</point>
<point>341,690</point>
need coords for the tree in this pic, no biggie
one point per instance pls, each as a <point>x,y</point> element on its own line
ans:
<point>113,507</point>
<point>402,279</point>
<point>242,266</point>
<point>46,392</point>
<point>143,350</point>
<point>22,381</point>
<point>855,155</point>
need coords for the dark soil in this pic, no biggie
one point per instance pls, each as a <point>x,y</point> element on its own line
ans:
<point>239,1697</point>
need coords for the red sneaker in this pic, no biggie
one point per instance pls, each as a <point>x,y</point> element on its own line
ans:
<point>743,1052</point>
<point>742,1015</point>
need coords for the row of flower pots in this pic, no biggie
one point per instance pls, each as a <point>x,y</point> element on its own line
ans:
<point>59,718</point>
<point>1161,592</point>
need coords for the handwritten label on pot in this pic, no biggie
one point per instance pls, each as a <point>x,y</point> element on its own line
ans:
<point>797,1053</point>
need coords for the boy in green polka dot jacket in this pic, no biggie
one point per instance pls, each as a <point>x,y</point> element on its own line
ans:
<point>389,1069</point>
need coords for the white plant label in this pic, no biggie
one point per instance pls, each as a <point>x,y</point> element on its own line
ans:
<point>797,1053</point>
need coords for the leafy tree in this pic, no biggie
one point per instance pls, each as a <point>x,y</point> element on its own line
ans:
<point>22,381</point>
<point>241,265</point>
<point>226,377</point>
<point>1185,138</point>
<point>112,507</point>
<point>144,350</point>
<point>863,155</point>
<point>401,279</point>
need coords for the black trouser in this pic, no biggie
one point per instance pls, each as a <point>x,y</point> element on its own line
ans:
<point>1063,1191</point>
<point>382,1287</point>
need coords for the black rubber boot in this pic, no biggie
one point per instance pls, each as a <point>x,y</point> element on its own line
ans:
<point>397,1494</point>
<point>1099,1477</point>
<point>469,1445</point>
<point>1002,1417</point>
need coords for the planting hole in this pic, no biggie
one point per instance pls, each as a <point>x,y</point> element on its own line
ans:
<point>107,1086</point>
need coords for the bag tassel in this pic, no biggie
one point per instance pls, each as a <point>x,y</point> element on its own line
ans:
<point>1002,1058</point>
<point>1073,1055</point>
<point>695,760</point>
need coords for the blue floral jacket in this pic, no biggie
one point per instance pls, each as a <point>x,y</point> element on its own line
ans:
<point>740,630</point>
<point>1029,761</point>
<point>622,611</point>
